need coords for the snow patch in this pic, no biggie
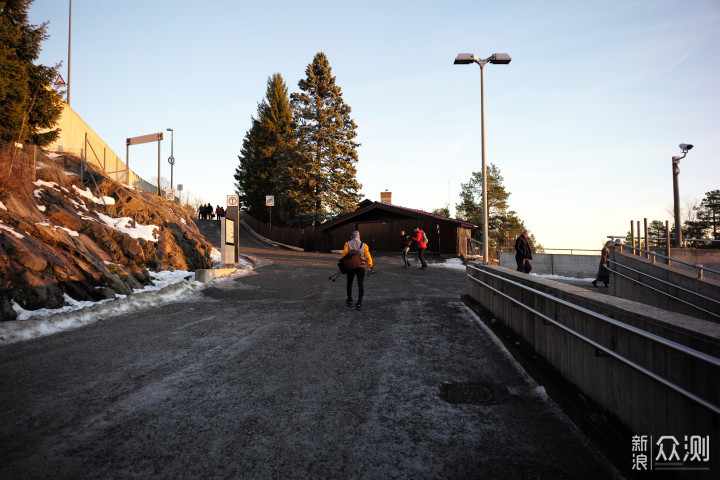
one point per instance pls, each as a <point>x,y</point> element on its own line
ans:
<point>127,226</point>
<point>2,206</point>
<point>11,230</point>
<point>42,183</point>
<point>42,208</point>
<point>88,194</point>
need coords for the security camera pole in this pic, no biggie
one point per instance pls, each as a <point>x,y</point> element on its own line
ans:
<point>502,59</point>
<point>684,147</point>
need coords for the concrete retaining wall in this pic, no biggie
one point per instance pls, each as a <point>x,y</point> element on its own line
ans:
<point>645,405</point>
<point>72,140</point>
<point>577,266</point>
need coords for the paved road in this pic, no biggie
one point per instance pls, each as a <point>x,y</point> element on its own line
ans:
<point>271,376</point>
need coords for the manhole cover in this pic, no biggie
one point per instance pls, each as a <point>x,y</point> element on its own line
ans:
<point>464,392</point>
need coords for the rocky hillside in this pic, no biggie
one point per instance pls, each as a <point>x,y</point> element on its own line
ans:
<point>60,235</point>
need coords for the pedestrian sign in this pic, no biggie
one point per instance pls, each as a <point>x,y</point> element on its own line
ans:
<point>232,200</point>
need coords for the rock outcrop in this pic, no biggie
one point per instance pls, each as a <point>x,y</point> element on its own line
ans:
<point>60,238</point>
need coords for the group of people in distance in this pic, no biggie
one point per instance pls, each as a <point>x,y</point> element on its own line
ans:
<point>205,212</point>
<point>357,247</point>
<point>523,259</point>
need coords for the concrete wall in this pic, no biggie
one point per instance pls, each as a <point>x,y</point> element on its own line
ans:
<point>72,140</point>
<point>642,287</point>
<point>578,266</point>
<point>646,406</point>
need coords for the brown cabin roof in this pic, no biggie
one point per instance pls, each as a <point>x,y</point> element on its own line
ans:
<point>367,205</point>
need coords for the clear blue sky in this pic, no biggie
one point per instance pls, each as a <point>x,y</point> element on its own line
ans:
<point>582,123</point>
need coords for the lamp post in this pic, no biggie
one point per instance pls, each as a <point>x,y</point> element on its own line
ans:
<point>171,158</point>
<point>502,59</point>
<point>684,147</point>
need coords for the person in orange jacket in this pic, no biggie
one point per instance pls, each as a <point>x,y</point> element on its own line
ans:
<point>365,260</point>
<point>420,239</point>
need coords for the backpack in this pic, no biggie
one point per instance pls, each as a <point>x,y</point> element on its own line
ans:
<point>351,260</point>
<point>425,239</point>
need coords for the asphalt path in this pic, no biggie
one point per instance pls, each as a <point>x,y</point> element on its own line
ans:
<point>271,376</point>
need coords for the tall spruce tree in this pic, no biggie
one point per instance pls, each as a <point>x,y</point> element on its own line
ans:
<point>29,108</point>
<point>266,146</point>
<point>321,174</point>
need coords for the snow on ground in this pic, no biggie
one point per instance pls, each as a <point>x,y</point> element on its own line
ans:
<point>560,278</point>
<point>128,226</point>
<point>452,263</point>
<point>10,229</point>
<point>2,206</point>
<point>168,287</point>
<point>88,194</point>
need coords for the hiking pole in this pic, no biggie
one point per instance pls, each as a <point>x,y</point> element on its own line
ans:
<point>334,277</point>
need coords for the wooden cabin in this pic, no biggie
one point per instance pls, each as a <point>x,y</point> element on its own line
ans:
<point>380,225</point>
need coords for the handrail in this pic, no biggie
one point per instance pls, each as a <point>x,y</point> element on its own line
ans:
<point>544,250</point>
<point>650,336</point>
<point>655,254</point>
<point>666,283</point>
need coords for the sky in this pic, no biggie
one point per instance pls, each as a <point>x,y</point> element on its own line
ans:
<point>582,123</point>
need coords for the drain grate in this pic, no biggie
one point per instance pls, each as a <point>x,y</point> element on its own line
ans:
<point>466,393</point>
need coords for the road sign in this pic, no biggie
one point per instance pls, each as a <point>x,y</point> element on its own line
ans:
<point>171,160</point>
<point>269,200</point>
<point>232,200</point>
<point>59,82</point>
<point>170,194</point>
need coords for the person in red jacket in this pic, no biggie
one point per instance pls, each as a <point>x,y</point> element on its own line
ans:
<point>421,240</point>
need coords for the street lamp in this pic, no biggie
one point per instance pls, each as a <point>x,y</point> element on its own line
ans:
<point>684,147</point>
<point>171,158</point>
<point>502,59</point>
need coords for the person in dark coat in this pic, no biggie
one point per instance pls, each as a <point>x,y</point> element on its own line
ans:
<point>405,242</point>
<point>603,274</point>
<point>523,253</point>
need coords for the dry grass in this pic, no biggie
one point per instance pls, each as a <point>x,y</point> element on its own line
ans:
<point>16,169</point>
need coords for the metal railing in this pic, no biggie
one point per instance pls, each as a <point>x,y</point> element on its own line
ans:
<point>546,250</point>
<point>653,258</point>
<point>715,362</point>
<point>660,280</point>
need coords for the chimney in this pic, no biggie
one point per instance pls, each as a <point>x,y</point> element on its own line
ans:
<point>386,197</point>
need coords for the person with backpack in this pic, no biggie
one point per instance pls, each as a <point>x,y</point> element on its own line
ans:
<point>355,256</point>
<point>422,242</point>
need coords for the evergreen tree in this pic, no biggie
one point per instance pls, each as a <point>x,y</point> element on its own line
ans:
<point>709,212</point>
<point>656,228</point>
<point>443,212</point>
<point>29,108</point>
<point>265,149</point>
<point>320,177</point>
<point>503,225</point>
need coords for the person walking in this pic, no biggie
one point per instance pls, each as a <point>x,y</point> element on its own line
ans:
<point>201,212</point>
<point>523,252</point>
<point>422,241</point>
<point>218,212</point>
<point>603,274</point>
<point>364,259</point>
<point>405,242</point>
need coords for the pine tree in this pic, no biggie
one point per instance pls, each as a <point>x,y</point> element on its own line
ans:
<point>29,107</point>
<point>503,225</point>
<point>266,147</point>
<point>709,212</point>
<point>322,170</point>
